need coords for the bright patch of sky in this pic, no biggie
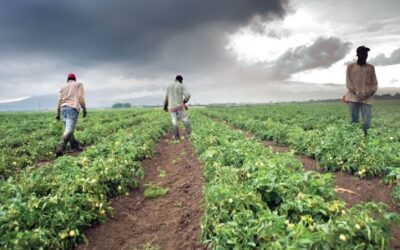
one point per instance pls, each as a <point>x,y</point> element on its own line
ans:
<point>14,99</point>
<point>375,26</point>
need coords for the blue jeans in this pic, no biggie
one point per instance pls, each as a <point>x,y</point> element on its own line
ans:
<point>69,117</point>
<point>183,116</point>
<point>179,115</point>
<point>355,108</point>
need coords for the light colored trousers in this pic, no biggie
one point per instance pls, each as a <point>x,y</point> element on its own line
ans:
<point>179,115</point>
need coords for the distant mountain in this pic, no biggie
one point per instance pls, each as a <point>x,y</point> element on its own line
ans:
<point>34,103</point>
<point>285,92</point>
<point>49,103</point>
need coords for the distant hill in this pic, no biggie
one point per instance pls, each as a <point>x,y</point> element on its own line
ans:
<point>34,103</point>
<point>288,92</point>
<point>49,103</point>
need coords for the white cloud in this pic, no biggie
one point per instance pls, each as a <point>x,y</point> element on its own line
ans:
<point>14,99</point>
<point>298,28</point>
<point>375,25</point>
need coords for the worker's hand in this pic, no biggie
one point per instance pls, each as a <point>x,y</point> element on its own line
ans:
<point>362,96</point>
<point>84,112</point>
<point>345,99</point>
<point>58,115</point>
<point>185,106</point>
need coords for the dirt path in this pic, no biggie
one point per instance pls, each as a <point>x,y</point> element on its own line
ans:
<point>171,221</point>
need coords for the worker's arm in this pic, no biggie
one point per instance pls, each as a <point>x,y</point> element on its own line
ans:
<point>82,100</point>
<point>58,107</point>
<point>166,101</point>
<point>374,83</point>
<point>186,95</point>
<point>349,84</point>
<point>371,86</point>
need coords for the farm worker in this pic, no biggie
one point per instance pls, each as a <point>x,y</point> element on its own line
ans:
<point>70,100</point>
<point>362,84</point>
<point>175,102</point>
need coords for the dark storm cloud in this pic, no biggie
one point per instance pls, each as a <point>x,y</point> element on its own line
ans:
<point>42,40</point>
<point>382,60</point>
<point>323,53</point>
<point>92,30</point>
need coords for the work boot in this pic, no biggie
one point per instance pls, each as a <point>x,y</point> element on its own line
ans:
<point>75,144</point>
<point>62,144</point>
<point>176,132</point>
<point>188,129</point>
<point>61,148</point>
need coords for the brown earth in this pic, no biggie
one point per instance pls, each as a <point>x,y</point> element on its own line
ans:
<point>171,221</point>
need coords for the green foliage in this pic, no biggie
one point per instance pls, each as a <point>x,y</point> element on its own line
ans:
<point>256,199</point>
<point>48,207</point>
<point>148,246</point>
<point>31,137</point>
<point>161,173</point>
<point>396,195</point>
<point>153,191</point>
<point>322,131</point>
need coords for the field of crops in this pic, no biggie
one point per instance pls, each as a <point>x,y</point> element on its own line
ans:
<point>45,207</point>
<point>323,132</point>
<point>254,198</point>
<point>259,199</point>
<point>31,137</point>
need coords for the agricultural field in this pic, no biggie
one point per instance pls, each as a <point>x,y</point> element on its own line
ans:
<point>322,132</point>
<point>45,207</point>
<point>261,200</point>
<point>28,138</point>
<point>254,198</point>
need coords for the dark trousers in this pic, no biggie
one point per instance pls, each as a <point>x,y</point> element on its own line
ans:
<point>355,108</point>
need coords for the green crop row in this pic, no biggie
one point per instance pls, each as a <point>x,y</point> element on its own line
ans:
<point>32,137</point>
<point>336,145</point>
<point>333,142</point>
<point>48,207</point>
<point>256,199</point>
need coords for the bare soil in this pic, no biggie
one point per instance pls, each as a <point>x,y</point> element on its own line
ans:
<point>171,221</point>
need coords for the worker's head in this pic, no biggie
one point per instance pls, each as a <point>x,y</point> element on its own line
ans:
<point>71,76</point>
<point>179,78</point>
<point>362,54</point>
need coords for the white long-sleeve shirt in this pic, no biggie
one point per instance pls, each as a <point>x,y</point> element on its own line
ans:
<point>71,95</point>
<point>175,95</point>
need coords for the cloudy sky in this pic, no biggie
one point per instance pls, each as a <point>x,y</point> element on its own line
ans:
<point>226,50</point>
